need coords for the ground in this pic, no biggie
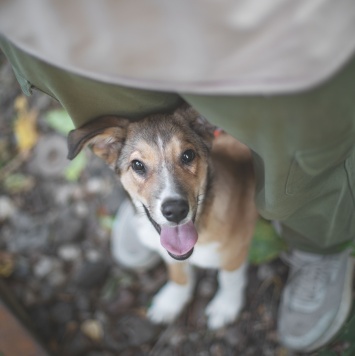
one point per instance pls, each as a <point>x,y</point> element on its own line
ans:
<point>56,260</point>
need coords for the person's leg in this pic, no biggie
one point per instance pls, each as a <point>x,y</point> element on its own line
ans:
<point>302,144</point>
<point>85,99</point>
<point>304,150</point>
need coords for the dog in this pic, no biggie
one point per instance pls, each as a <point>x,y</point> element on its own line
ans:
<point>195,186</point>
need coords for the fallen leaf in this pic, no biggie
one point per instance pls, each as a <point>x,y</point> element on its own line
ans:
<point>7,264</point>
<point>25,126</point>
<point>18,183</point>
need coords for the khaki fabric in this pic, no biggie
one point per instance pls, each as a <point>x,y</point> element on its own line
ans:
<point>304,153</point>
<point>200,46</point>
<point>83,98</point>
<point>303,144</point>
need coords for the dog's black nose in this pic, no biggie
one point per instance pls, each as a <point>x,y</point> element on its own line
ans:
<point>175,210</point>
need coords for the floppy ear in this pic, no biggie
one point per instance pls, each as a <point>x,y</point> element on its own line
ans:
<point>104,135</point>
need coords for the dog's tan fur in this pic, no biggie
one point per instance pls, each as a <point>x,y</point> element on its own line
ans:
<point>222,170</point>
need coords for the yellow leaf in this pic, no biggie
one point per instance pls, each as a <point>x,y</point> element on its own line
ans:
<point>25,126</point>
<point>7,264</point>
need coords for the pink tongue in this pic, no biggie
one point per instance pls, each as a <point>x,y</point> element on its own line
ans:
<point>180,239</point>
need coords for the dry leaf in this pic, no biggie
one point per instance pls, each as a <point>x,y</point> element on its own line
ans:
<point>25,126</point>
<point>7,264</point>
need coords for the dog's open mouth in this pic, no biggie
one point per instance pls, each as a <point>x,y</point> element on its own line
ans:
<point>179,240</point>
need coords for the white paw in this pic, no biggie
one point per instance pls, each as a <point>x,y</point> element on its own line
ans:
<point>223,309</point>
<point>169,302</point>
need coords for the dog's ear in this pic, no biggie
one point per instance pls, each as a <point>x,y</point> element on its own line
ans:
<point>104,135</point>
<point>203,128</point>
<point>198,123</point>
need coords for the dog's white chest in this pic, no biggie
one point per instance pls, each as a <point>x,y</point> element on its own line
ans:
<point>206,255</point>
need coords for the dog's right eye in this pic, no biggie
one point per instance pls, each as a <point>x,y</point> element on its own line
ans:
<point>138,167</point>
<point>188,156</point>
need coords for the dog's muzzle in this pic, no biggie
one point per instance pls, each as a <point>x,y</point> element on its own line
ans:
<point>178,240</point>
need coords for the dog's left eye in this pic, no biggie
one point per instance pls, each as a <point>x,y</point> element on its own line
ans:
<point>188,156</point>
<point>138,167</point>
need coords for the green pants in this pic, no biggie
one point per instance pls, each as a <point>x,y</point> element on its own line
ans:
<point>303,144</point>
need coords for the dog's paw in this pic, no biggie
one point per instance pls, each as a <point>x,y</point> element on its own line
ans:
<point>223,310</point>
<point>169,302</point>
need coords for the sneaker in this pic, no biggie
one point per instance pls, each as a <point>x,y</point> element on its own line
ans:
<point>126,247</point>
<point>316,300</point>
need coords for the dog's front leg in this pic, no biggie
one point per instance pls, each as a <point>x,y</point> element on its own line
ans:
<point>173,297</point>
<point>229,300</point>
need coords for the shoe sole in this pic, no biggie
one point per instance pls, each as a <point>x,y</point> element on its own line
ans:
<point>343,311</point>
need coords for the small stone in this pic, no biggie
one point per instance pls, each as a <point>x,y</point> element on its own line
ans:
<point>233,336</point>
<point>57,278</point>
<point>63,194</point>
<point>93,255</point>
<point>43,267</point>
<point>82,302</point>
<point>71,327</point>
<point>69,252</point>
<point>68,227</point>
<point>62,312</point>
<point>78,345</point>
<point>92,274</point>
<point>95,185</point>
<point>92,329</point>
<point>123,302</point>
<point>177,337</point>
<point>138,330</point>
<point>81,209</point>
<point>40,314</point>
<point>22,268</point>
<point>29,298</point>
<point>219,348</point>
<point>7,208</point>
<point>50,156</point>
<point>46,292</point>
<point>206,288</point>
<point>27,235</point>
<point>265,272</point>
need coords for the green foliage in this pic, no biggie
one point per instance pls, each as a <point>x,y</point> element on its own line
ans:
<point>106,221</point>
<point>266,244</point>
<point>60,121</point>
<point>18,183</point>
<point>76,166</point>
<point>347,335</point>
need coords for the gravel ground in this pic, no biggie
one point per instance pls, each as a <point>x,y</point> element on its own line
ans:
<point>55,258</point>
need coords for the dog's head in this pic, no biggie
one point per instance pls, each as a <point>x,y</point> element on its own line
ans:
<point>162,161</point>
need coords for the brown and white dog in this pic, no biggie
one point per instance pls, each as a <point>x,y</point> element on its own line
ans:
<point>197,192</point>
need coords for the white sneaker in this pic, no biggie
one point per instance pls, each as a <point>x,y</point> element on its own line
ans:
<point>316,300</point>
